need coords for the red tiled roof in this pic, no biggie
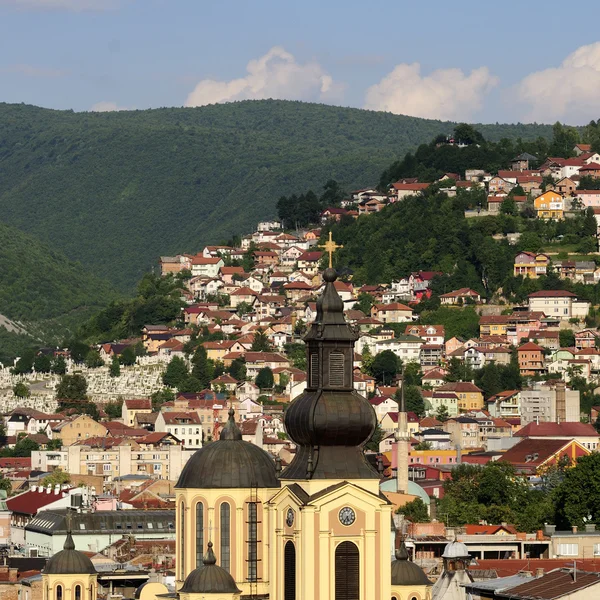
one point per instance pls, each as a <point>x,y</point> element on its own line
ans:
<point>459,386</point>
<point>506,568</point>
<point>140,403</point>
<point>559,583</point>
<point>175,418</point>
<point>552,294</point>
<point>29,503</point>
<point>564,429</point>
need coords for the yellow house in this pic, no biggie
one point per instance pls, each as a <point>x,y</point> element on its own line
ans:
<point>470,397</point>
<point>493,325</point>
<point>549,205</point>
<point>530,264</point>
<point>81,427</point>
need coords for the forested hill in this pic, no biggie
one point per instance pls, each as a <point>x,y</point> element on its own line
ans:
<point>116,190</point>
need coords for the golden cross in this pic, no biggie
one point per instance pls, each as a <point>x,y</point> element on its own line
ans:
<point>330,247</point>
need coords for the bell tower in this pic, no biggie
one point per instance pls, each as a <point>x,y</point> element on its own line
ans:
<point>330,422</point>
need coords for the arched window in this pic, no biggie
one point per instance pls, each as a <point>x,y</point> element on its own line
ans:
<point>252,541</point>
<point>289,571</point>
<point>225,535</point>
<point>77,592</point>
<point>199,534</point>
<point>347,585</point>
<point>59,592</point>
<point>181,534</point>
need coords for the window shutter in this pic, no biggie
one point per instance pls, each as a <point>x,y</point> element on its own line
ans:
<point>314,370</point>
<point>289,592</point>
<point>347,572</point>
<point>336,369</point>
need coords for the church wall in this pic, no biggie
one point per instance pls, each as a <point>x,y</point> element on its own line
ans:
<point>416,592</point>
<point>88,585</point>
<point>212,499</point>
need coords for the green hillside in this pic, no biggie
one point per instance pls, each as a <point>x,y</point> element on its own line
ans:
<point>116,190</point>
<point>44,290</point>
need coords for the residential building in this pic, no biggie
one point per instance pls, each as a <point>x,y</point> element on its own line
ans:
<point>583,433</point>
<point>558,303</point>
<point>206,266</point>
<point>462,296</point>
<point>530,264</point>
<point>432,334</point>
<point>464,432</point>
<point>405,347</point>
<point>505,405</point>
<point>549,205</point>
<point>470,397</point>
<point>185,426</point>
<point>133,407</point>
<point>435,399</point>
<point>549,402</point>
<point>494,324</point>
<point>391,313</point>
<point>80,427</point>
<point>531,359</point>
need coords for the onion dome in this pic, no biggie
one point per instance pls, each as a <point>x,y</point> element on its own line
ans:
<point>230,462</point>
<point>69,561</point>
<point>209,578</point>
<point>456,550</point>
<point>330,422</point>
<point>405,572</point>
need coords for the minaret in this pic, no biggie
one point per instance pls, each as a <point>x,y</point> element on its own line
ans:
<point>330,422</point>
<point>402,444</point>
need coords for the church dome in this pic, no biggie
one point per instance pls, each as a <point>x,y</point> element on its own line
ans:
<point>456,550</point>
<point>230,462</point>
<point>209,578</point>
<point>69,561</point>
<point>405,572</point>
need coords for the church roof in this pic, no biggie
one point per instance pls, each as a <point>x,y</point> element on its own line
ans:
<point>405,572</point>
<point>69,561</point>
<point>229,462</point>
<point>210,578</point>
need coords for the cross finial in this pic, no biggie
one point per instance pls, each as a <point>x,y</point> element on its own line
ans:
<point>330,247</point>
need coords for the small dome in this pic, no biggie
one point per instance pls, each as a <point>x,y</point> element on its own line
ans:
<point>69,561</point>
<point>405,572</point>
<point>209,578</point>
<point>456,550</point>
<point>230,462</point>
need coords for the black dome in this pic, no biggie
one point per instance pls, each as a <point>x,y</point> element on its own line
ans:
<point>229,462</point>
<point>69,561</point>
<point>405,572</point>
<point>209,578</point>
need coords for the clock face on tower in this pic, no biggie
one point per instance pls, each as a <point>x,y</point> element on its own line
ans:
<point>347,516</point>
<point>289,517</point>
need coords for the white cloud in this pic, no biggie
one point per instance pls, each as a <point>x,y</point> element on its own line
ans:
<point>69,5</point>
<point>274,75</point>
<point>446,94</point>
<point>568,92</point>
<point>32,71</point>
<point>107,107</point>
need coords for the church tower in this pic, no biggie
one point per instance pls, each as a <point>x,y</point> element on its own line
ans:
<point>69,574</point>
<point>332,533</point>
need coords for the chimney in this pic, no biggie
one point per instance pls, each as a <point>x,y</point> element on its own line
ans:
<point>574,528</point>
<point>549,529</point>
<point>33,488</point>
<point>590,527</point>
<point>539,572</point>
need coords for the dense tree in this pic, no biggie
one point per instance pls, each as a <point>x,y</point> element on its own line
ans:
<point>21,390</point>
<point>78,350</point>
<point>54,444</point>
<point>114,370</point>
<point>25,363</point>
<point>42,363</point>
<point>176,371</point>
<point>128,358</point>
<point>160,397</point>
<point>364,303</point>
<point>59,365</point>
<point>25,447</point>
<point>202,369</point>
<point>93,359</point>
<point>415,511</point>
<point>114,409</point>
<point>566,338</point>
<point>414,400</point>
<point>385,367</point>
<point>57,477</point>
<point>265,379</point>
<point>72,387</point>
<point>442,414</point>
<point>237,369</point>
<point>261,343</point>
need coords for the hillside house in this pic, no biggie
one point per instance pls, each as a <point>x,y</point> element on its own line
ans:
<point>561,304</point>
<point>530,264</point>
<point>531,359</point>
<point>461,296</point>
<point>549,205</point>
<point>392,313</point>
<point>206,266</point>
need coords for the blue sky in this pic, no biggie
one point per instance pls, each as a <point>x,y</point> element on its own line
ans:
<point>467,60</point>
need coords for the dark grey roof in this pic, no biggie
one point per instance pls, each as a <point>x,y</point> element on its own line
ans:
<point>69,561</point>
<point>52,522</point>
<point>405,572</point>
<point>229,462</point>
<point>210,578</point>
